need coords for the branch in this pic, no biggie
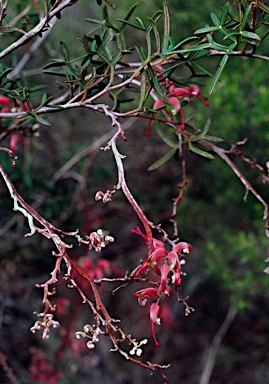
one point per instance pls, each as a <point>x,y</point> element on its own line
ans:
<point>213,349</point>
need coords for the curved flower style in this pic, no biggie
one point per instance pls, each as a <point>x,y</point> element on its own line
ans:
<point>153,314</point>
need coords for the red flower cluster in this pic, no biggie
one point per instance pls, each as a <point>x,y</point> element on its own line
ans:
<point>167,266</point>
<point>172,99</point>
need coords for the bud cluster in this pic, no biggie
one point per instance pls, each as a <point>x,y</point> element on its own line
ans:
<point>99,239</point>
<point>45,325</point>
<point>91,332</point>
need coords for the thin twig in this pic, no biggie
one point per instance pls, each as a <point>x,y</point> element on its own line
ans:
<point>213,349</point>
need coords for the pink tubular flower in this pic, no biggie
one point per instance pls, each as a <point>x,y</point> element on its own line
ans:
<point>196,92</point>
<point>154,312</point>
<point>156,243</point>
<point>177,108</point>
<point>175,103</point>
<point>158,104</point>
<point>183,247</point>
<point>165,269</point>
<point>145,294</point>
<point>152,262</point>
<point>179,92</point>
<point>13,142</point>
<point>191,91</point>
<point>5,101</point>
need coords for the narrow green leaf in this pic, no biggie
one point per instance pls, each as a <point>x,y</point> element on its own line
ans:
<point>132,24</point>
<point>213,138</point>
<point>164,137</point>
<point>231,36</point>
<point>245,18</point>
<point>141,23</point>
<point>218,73</point>
<point>206,30</point>
<point>215,20</point>
<point>264,7</point>
<point>224,14</point>
<point>250,35</point>
<point>185,41</point>
<point>155,17</point>
<point>5,73</point>
<point>157,86</point>
<point>65,51</point>
<point>200,152</point>
<point>162,160</point>
<point>166,32</point>
<point>54,63</point>
<point>202,134</point>
<point>143,80</point>
<point>149,45</point>
<point>129,14</point>
<point>41,121</point>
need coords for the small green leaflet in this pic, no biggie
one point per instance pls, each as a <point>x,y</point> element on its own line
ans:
<point>162,160</point>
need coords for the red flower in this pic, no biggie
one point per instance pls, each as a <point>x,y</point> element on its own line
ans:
<point>5,100</point>
<point>156,243</point>
<point>152,262</point>
<point>13,142</point>
<point>158,104</point>
<point>182,247</point>
<point>191,91</point>
<point>145,294</point>
<point>165,269</point>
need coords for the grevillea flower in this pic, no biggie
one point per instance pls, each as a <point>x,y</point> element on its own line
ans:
<point>13,142</point>
<point>191,91</point>
<point>152,262</point>
<point>165,269</point>
<point>156,243</point>
<point>158,104</point>
<point>183,247</point>
<point>145,294</point>
<point>195,91</point>
<point>174,102</point>
<point>5,101</point>
<point>153,314</point>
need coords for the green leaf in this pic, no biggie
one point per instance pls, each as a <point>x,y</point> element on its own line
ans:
<point>218,73</point>
<point>142,28</point>
<point>129,14</point>
<point>41,121</point>
<point>54,63</point>
<point>162,160</point>
<point>142,89</point>
<point>65,51</point>
<point>164,137</point>
<point>141,23</point>
<point>245,18</point>
<point>185,41</point>
<point>200,152</point>
<point>157,86</point>
<point>206,30</point>
<point>224,14</point>
<point>215,20</point>
<point>202,134</point>
<point>166,32</point>
<point>250,35</point>
<point>5,73</point>
<point>213,138</point>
